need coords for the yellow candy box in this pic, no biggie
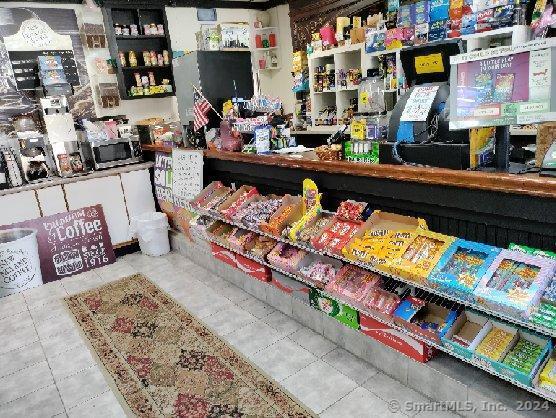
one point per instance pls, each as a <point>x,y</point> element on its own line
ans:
<point>380,235</point>
<point>416,258</point>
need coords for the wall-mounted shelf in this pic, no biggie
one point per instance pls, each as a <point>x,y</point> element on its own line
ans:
<point>127,15</point>
<point>128,37</point>
<point>146,67</point>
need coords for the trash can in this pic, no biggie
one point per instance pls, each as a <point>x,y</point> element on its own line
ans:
<point>20,266</point>
<point>151,229</point>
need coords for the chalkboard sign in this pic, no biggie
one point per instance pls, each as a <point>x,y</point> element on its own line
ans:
<point>187,175</point>
<point>35,37</point>
<point>71,242</point>
<point>25,67</point>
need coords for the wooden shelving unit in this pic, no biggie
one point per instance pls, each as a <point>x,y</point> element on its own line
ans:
<point>126,15</point>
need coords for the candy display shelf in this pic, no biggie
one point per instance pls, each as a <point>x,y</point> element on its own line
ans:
<point>391,324</point>
<point>543,330</point>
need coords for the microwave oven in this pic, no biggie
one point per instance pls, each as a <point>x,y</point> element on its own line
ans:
<point>115,152</point>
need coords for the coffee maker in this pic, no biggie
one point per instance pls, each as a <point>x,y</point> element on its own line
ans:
<point>37,159</point>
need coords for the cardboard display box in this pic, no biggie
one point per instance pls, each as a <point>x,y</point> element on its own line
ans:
<point>250,267</point>
<point>206,192</point>
<point>231,204</point>
<point>309,259</point>
<point>343,313</point>
<point>405,344</point>
<point>413,311</point>
<point>279,220</point>
<point>379,224</point>
<point>487,361</point>
<point>461,267</point>
<point>412,264</point>
<point>473,327</point>
<point>526,379</point>
<point>514,282</point>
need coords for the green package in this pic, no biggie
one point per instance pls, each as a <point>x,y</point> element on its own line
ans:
<point>343,313</point>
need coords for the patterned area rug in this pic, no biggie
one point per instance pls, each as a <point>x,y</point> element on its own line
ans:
<point>164,362</point>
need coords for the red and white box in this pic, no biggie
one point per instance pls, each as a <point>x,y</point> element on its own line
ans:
<point>405,344</point>
<point>291,287</point>
<point>250,267</point>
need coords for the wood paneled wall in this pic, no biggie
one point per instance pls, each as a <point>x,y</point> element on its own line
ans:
<point>308,16</point>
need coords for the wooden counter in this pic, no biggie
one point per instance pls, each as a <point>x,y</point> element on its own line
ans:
<point>522,184</point>
<point>493,208</point>
<point>530,184</point>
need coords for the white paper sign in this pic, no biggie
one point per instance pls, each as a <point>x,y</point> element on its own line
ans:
<point>187,175</point>
<point>419,104</point>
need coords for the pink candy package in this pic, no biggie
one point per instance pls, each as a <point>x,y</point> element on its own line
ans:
<point>319,272</point>
<point>381,301</point>
<point>353,283</point>
<point>286,257</point>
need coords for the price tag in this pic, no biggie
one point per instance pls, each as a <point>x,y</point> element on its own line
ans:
<point>428,64</point>
<point>364,98</point>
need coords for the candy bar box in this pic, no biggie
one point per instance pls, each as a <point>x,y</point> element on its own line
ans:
<point>461,267</point>
<point>515,282</point>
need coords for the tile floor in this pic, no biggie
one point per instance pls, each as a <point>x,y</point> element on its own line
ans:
<point>46,370</point>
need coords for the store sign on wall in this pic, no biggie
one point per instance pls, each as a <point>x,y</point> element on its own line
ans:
<point>71,242</point>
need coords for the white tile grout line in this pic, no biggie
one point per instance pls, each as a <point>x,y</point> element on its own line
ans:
<point>316,357</point>
<point>46,359</point>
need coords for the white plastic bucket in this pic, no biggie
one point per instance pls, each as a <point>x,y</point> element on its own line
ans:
<point>151,229</point>
<point>20,266</point>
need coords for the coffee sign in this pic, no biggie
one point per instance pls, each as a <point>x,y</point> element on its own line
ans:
<point>71,242</point>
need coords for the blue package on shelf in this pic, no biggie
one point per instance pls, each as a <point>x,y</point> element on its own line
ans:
<point>461,268</point>
<point>438,10</point>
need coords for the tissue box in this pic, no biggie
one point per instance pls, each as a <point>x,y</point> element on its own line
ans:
<point>514,282</point>
<point>461,267</point>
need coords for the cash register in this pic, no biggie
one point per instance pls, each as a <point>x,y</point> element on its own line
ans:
<point>418,129</point>
<point>548,167</point>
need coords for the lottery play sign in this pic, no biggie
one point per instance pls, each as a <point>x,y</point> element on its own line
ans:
<point>71,242</point>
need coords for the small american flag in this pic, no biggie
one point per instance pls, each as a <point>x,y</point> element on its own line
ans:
<point>201,106</point>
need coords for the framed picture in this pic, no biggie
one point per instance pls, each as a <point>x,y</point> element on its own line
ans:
<point>206,15</point>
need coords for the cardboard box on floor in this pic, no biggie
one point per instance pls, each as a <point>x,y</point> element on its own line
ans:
<point>250,267</point>
<point>399,341</point>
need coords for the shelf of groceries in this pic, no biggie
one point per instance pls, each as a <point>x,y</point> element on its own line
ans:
<point>394,270</point>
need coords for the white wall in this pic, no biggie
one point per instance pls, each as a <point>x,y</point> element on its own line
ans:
<point>182,26</point>
<point>278,83</point>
